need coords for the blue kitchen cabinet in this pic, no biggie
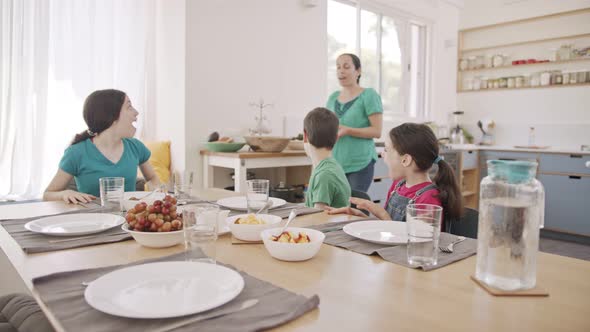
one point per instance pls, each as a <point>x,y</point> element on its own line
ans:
<point>567,199</point>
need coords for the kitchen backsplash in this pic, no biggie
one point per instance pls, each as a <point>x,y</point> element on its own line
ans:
<point>554,135</point>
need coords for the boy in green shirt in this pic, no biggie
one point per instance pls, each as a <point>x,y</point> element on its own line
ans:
<point>328,185</point>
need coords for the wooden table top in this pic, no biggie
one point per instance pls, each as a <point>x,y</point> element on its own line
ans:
<point>357,292</point>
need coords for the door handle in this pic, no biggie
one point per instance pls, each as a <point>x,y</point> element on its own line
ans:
<point>575,177</point>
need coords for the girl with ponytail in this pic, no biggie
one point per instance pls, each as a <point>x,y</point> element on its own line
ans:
<point>105,149</point>
<point>410,151</point>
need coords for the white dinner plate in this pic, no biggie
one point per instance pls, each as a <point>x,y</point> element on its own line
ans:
<point>378,231</point>
<point>239,203</point>
<point>164,289</point>
<point>74,224</point>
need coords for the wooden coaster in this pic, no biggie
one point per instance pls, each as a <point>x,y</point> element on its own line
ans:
<point>536,291</point>
<point>235,240</point>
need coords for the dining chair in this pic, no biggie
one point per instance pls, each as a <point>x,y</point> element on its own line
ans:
<point>21,313</point>
<point>466,225</point>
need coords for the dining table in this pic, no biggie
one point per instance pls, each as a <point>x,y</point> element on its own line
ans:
<point>357,292</point>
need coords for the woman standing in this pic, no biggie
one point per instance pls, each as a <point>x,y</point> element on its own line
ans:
<point>361,118</point>
<point>107,148</point>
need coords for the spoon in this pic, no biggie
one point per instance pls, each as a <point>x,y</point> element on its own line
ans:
<point>266,206</point>
<point>292,216</point>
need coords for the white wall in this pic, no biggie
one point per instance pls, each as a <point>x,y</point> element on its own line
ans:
<point>169,118</point>
<point>559,115</point>
<point>239,51</point>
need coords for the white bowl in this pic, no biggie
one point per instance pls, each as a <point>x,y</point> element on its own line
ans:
<point>129,204</point>
<point>156,239</point>
<point>247,232</point>
<point>293,252</point>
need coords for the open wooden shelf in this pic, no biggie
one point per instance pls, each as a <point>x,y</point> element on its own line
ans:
<point>526,65</point>
<point>528,87</point>
<point>528,42</point>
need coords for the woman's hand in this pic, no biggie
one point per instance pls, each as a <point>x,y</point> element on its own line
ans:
<point>375,209</point>
<point>343,131</point>
<point>346,210</point>
<point>71,196</point>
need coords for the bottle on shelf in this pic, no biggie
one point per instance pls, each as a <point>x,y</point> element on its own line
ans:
<point>532,136</point>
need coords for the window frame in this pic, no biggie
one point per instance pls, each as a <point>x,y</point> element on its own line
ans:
<point>406,20</point>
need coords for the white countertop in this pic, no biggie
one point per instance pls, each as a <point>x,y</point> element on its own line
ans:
<point>551,149</point>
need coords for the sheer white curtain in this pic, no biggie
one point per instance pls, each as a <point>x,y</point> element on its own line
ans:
<point>55,53</point>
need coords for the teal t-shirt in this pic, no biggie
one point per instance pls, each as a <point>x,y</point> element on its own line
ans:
<point>355,153</point>
<point>328,184</point>
<point>87,164</point>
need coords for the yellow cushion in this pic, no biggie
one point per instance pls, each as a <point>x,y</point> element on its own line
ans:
<point>160,159</point>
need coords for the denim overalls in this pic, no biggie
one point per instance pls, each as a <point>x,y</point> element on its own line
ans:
<point>396,205</point>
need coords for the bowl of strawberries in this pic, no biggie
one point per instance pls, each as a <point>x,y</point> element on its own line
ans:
<point>156,225</point>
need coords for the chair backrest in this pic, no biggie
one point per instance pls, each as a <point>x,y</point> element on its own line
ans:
<point>360,194</point>
<point>466,226</point>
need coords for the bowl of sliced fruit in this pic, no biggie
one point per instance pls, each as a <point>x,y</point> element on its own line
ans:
<point>294,244</point>
<point>247,227</point>
<point>156,225</point>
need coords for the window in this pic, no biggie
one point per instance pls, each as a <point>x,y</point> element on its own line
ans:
<point>392,49</point>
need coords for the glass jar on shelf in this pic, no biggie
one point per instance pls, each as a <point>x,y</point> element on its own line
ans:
<point>519,81</point>
<point>476,83</point>
<point>468,84</point>
<point>535,79</point>
<point>583,76</point>
<point>498,60</point>
<point>510,82</point>
<point>502,82</point>
<point>556,77</point>
<point>484,82</point>
<point>495,84</point>
<point>566,76</point>
<point>488,61</point>
<point>526,80</point>
<point>480,62</point>
<point>471,63</point>
<point>463,64</point>
<point>564,52</point>
<point>545,78</point>
<point>573,78</point>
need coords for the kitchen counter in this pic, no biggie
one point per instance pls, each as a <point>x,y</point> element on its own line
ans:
<point>561,150</point>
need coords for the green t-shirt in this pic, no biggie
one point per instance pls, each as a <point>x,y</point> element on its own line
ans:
<point>355,153</point>
<point>87,164</point>
<point>328,185</point>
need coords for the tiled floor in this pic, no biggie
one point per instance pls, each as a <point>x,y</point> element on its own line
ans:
<point>564,248</point>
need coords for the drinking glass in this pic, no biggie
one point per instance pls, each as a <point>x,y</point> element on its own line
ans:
<point>183,185</point>
<point>257,195</point>
<point>200,229</point>
<point>111,192</point>
<point>423,225</point>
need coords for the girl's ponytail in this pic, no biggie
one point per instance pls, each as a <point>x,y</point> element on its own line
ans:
<point>449,192</point>
<point>81,137</point>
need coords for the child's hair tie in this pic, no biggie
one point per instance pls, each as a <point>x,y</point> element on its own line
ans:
<point>437,159</point>
<point>90,132</point>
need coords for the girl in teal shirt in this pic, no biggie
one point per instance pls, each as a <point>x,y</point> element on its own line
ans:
<point>361,118</point>
<point>106,149</point>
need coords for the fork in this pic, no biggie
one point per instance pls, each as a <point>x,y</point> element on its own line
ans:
<point>449,249</point>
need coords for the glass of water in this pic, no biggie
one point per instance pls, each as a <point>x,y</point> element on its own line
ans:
<point>423,225</point>
<point>257,195</point>
<point>111,192</point>
<point>183,185</point>
<point>200,229</point>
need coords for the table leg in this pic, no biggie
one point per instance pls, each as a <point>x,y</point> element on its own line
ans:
<point>207,173</point>
<point>240,177</point>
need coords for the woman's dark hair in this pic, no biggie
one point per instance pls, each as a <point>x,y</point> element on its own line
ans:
<point>356,62</point>
<point>101,109</point>
<point>419,141</point>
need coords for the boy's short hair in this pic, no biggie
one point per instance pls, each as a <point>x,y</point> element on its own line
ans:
<point>321,126</point>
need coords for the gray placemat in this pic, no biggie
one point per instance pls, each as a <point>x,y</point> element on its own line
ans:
<point>284,210</point>
<point>63,294</point>
<point>335,236</point>
<point>34,242</point>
